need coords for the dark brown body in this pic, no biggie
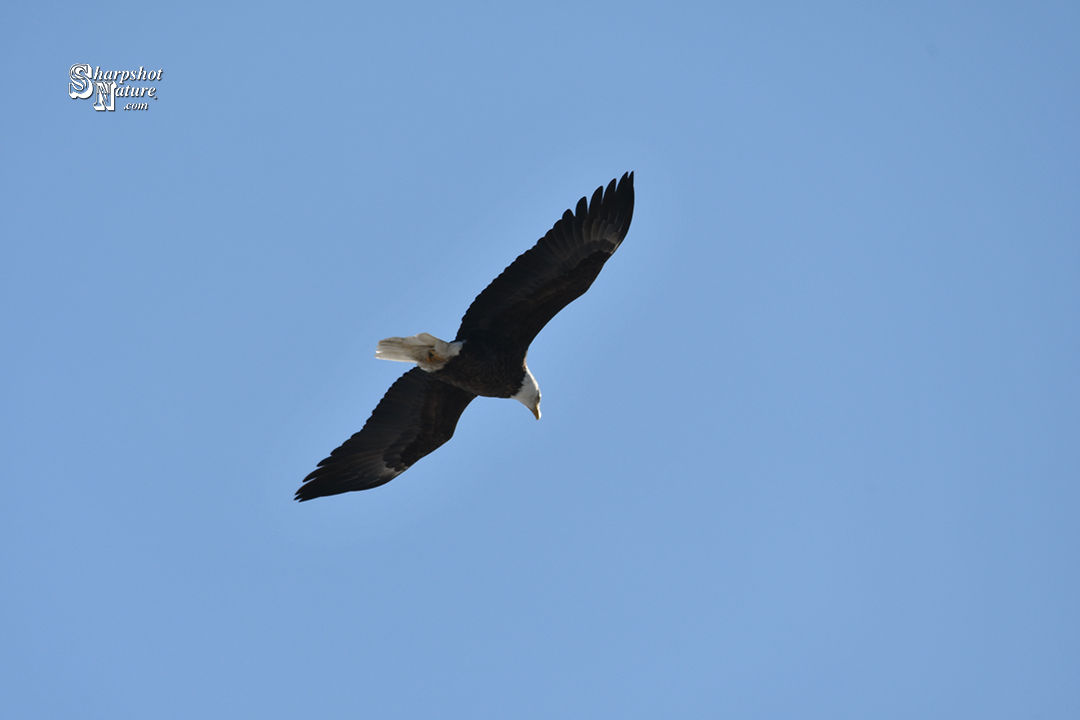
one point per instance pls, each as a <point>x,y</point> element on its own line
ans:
<point>487,366</point>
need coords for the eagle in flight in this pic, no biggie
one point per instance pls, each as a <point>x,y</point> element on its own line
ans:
<point>420,411</point>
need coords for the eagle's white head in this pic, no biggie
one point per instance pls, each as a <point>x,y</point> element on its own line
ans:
<point>529,394</point>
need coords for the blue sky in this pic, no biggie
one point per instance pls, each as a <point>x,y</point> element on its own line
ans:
<point>809,445</point>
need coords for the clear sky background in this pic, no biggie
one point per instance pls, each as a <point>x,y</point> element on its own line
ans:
<point>810,445</point>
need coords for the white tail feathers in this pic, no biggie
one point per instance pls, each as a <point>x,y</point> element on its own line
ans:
<point>427,351</point>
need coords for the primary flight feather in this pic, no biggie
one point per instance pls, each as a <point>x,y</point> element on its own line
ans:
<point>421,410</point>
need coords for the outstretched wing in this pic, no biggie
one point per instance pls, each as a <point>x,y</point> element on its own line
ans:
<point>416,416</point>
<point>556,271</point>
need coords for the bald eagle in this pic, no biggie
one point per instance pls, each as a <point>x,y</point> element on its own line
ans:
<point>420,411</point>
